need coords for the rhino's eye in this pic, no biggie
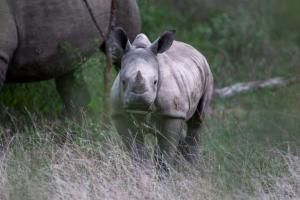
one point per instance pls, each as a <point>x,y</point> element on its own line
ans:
<point>155,82</point>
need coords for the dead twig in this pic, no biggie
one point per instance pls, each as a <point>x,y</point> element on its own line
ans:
<point>243,87</point>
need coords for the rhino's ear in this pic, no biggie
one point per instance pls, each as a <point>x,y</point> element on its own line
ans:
<point>163,43</point>
<point>120,38</point>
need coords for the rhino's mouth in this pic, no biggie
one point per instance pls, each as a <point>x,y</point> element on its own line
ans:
<point>140,110</point>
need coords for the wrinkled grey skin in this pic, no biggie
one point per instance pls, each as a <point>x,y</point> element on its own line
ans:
<point>169,79</point>
<point>44,39</point>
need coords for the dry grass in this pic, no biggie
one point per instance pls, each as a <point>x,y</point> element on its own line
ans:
<point>71,172</point>
<point>39,168</point>
<point>283,187</point>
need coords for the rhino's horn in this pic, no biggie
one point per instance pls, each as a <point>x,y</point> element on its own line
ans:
<point>139,85</point>
<point>139,77</point>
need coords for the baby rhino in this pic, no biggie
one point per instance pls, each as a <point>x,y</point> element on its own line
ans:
<point>166,84</point>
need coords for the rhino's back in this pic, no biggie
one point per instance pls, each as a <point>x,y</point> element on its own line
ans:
<point>53,35</point>
<point>184,73</point>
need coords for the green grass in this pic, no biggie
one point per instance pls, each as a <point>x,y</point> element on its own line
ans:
<point>243,131</point>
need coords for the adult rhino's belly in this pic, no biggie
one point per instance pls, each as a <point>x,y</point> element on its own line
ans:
<point>53,37</point>
<point>37,69</point>
<point>32,64</point>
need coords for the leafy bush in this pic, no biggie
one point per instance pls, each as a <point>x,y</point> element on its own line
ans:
<point>237,42</point>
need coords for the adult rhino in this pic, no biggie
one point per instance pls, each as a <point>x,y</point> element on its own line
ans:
<point>44,39</point>
<point>169,80</point>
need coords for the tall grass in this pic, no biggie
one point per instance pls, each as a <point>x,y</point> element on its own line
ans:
<point>34,166</point>
<point>59,159</point>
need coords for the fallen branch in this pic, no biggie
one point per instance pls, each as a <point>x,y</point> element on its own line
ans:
<point>237,88</point>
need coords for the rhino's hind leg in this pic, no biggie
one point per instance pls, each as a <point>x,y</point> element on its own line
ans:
<point>74,93</point>
<point>189,146</point>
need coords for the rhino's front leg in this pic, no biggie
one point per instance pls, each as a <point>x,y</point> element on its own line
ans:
<point>3,68</point>
<point>8,38</point>
<point>170,132</point>
<point>74,93</point>
<point>131,135</point>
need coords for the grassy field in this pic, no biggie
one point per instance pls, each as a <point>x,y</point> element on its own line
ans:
<point>250,142</point>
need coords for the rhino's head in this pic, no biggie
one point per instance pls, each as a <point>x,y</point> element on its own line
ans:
<point>139,75</point>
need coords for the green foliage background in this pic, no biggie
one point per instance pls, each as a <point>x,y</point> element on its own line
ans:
<point>242,42</point>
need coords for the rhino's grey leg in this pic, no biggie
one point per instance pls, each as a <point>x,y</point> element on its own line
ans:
<point>189,147</point>
<point>169,133</point>
<point>74,93</point>
<point>3,69</point>
<point>8,38</point>
<point>131,135</point>
<point>191,144</point>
